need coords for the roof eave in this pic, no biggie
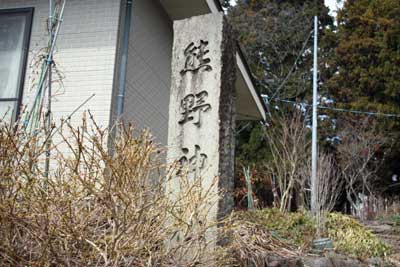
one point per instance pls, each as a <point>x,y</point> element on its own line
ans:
<point>181,9</point>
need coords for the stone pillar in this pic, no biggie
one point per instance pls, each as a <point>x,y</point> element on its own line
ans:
<point>202,105</point>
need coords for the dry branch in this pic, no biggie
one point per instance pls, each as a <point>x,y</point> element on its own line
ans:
<point>98,208</point>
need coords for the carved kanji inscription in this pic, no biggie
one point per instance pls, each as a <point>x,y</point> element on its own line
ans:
<point>195,57</point>
<point>192,106</point>
<point>193,159</point>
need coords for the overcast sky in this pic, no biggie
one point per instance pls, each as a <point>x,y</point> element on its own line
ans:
<point>332,4</point>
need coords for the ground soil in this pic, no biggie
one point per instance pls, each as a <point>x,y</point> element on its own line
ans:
<point>328,259</point>
<point>386,231</point>
<point>389,233</point>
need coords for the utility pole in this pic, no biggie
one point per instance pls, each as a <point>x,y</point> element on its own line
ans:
<point>314,148</point>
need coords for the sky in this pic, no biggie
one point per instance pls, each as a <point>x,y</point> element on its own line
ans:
<point>332,4</point>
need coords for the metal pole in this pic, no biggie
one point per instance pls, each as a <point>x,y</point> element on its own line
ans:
<point>48,113</point>
<point>46,68</point>
<point>314,149</point>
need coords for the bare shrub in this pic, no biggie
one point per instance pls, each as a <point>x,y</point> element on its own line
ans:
<point>98,207</point>
<point>329,188</point>
<point>329,185</point>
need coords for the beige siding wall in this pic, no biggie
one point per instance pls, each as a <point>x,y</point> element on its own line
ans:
<point>149,68</point>
<point>85,54</point>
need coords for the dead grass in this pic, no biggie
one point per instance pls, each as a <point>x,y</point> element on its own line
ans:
<point>252,244</point>
<point>259,234</point>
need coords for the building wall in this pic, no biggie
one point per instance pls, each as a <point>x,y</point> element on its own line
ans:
<point>149,69</point>
<point>85,54</point>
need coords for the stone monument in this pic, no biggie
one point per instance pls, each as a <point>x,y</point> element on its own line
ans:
<point>202,106</point>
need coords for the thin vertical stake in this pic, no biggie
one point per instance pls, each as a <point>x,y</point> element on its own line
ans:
<point>48,113</point>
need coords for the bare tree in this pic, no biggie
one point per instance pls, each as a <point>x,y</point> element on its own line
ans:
<point>289,145</point>
<point>357,156</point>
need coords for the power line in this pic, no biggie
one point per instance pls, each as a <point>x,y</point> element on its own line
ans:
<point>369,113</point>
<point>292,69</point>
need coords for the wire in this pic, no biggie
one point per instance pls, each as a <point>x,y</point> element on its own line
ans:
<point>72,114</point>
<point>369,113</point>
<point>294,64</point>
<point>243,128</point>
<point>249,117</point>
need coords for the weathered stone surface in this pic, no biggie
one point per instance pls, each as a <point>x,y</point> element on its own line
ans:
<point>334,261</point>
<point>329,260</point>
<point>276,262</point>
<point>201,112</point>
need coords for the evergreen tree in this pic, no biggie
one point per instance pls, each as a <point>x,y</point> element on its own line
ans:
<point>368,55</point>
<point>367,67</point>
<point>277,38</point>
<point>225,3</point>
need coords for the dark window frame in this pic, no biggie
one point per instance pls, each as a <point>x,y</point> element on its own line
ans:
<point>28,12</point>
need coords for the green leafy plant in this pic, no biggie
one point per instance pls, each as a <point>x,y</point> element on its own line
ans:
<point>395,219</point>
<point>299,229</point>
<point>352,238</point>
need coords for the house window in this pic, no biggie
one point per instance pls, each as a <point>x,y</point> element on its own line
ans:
<point>15,27</point>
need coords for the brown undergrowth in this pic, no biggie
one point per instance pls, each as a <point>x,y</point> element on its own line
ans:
<point>259,234</point>
<point>98,206</point>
